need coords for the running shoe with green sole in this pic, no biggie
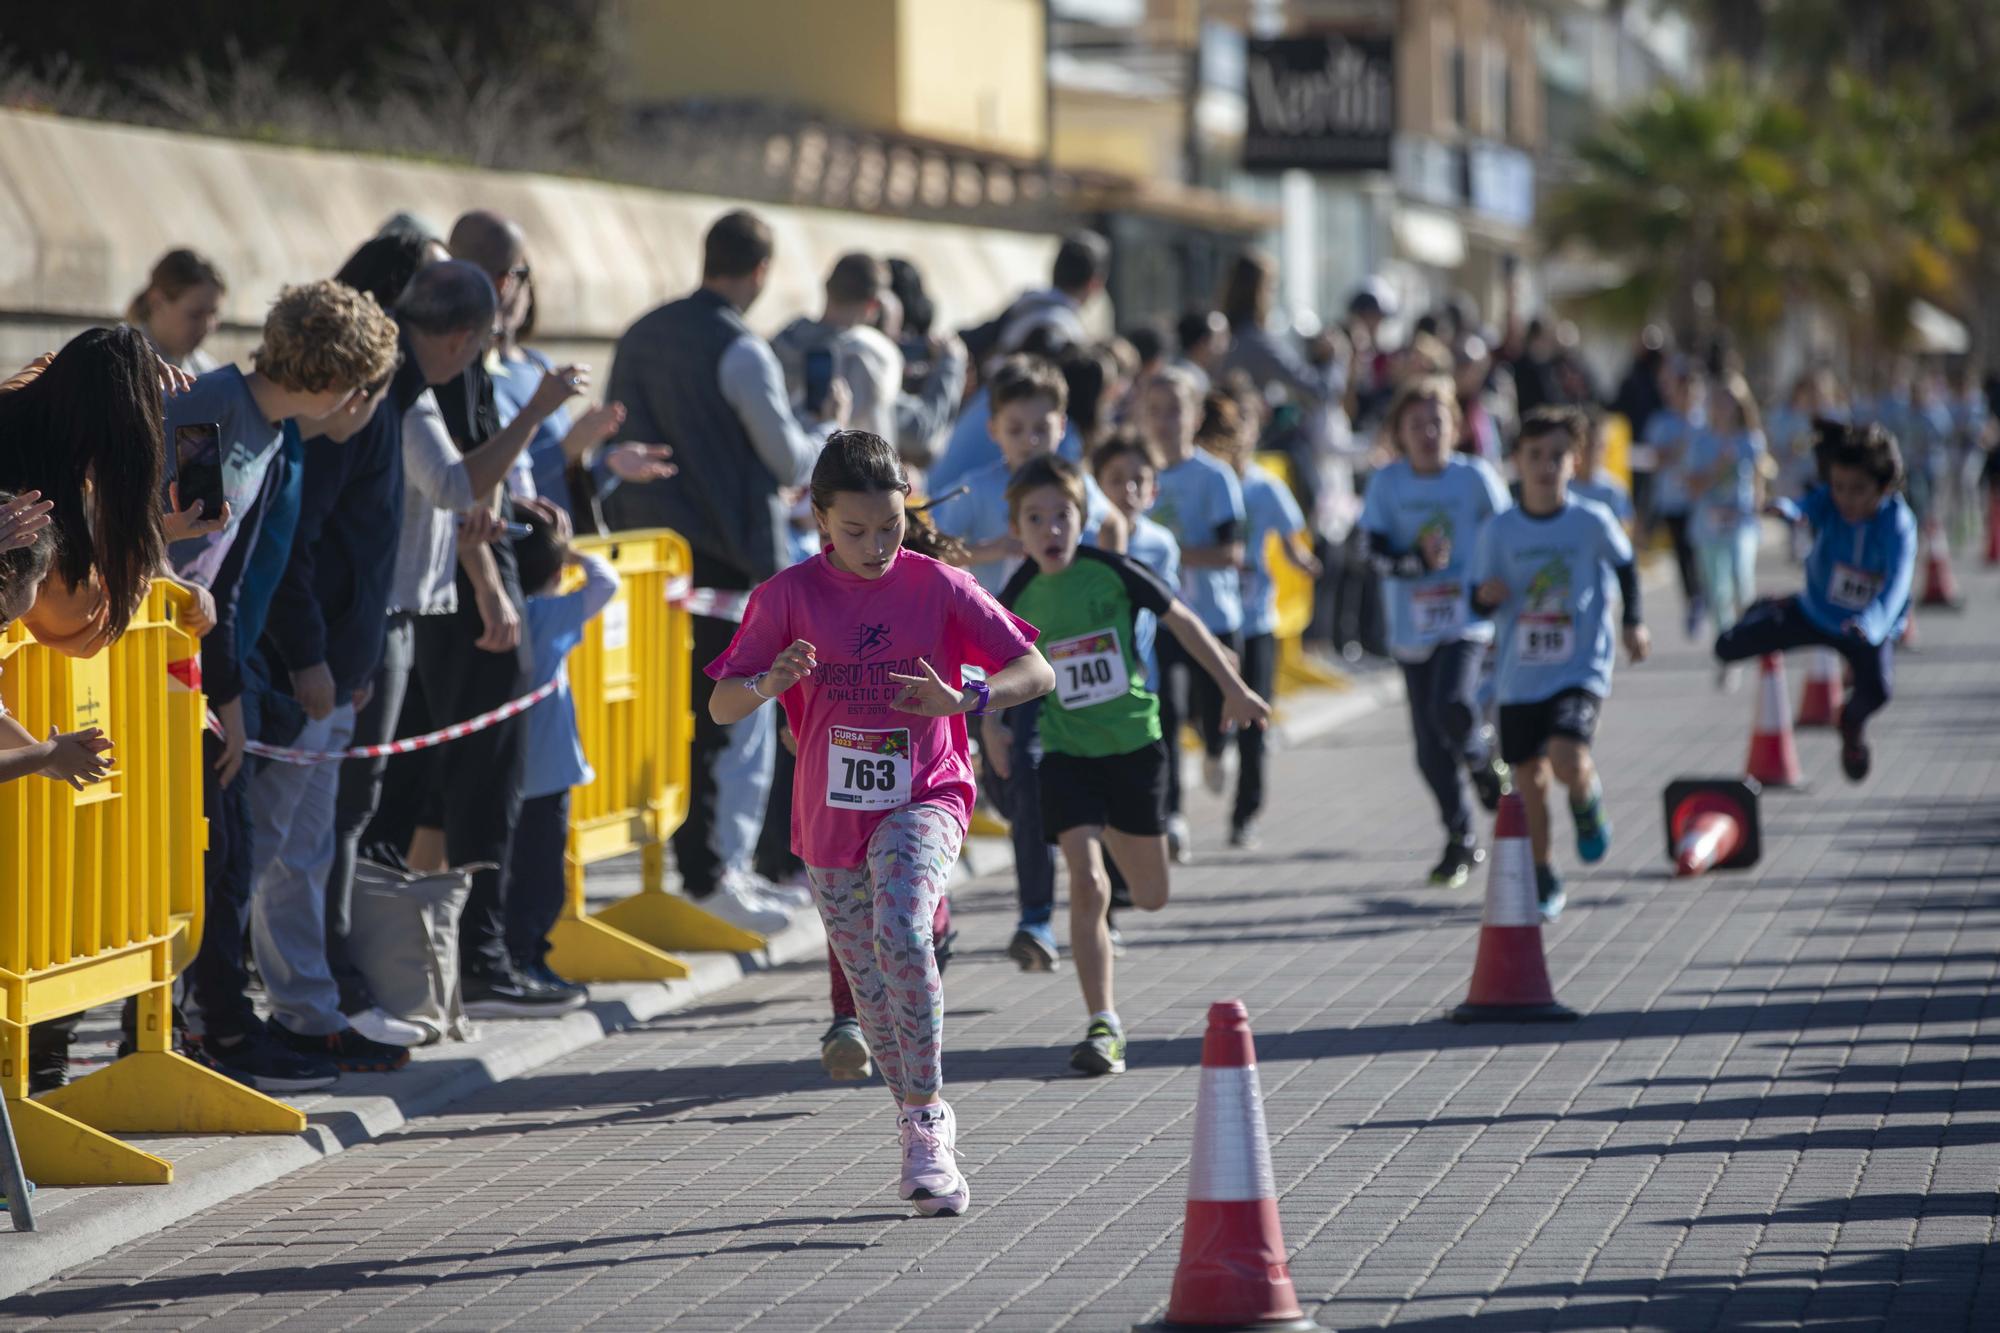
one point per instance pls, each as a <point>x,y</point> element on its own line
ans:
<point>1457,864</point>
<point>1102,1050</point>
<point>1593,831</point>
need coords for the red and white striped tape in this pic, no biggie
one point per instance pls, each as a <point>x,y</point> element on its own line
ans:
<point>715,603</point>
<point>405,746</point>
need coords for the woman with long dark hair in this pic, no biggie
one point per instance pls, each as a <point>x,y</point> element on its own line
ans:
<point>86,432</point>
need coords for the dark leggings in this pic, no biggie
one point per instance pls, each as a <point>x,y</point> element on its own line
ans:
<point>1685,559</point>
<point>1260,671</point>
<point>1444,715</point>
<point>1186,691</point>
<point>1780,623</point>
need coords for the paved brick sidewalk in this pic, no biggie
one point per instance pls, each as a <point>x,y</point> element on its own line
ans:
<point>1780,1107</point>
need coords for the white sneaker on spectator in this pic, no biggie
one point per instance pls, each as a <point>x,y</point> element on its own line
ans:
<point>379,1024</point>
<point>790,897</point>
<point>741,905</point>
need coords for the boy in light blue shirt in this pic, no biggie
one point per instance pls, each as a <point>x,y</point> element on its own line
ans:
<point>1858,576</point>
<point>538,878</point>
<point>1669,432</point>
<point>1423,515</point>
<point>1125,473</point>
<point>1027,399</point>
<point>1595,482</point>
<point>1268,509</point>
<point>1547,572</point>
<point>1201,504</point>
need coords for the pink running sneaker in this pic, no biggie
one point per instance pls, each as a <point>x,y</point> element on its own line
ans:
<point>931,1178</point>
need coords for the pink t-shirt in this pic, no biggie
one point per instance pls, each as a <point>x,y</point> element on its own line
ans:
<point>860,759</point>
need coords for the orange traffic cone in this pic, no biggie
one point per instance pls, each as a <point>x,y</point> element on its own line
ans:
<point>1774,760</point>
<point>1940,585</point>
<point>1819,701</point>
<point>1232,1273</point>
<point>1712,825</point>
<point>1510,977</point>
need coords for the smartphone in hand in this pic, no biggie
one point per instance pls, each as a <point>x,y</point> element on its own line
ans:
<point>198,465</point>
<point>819,378</point>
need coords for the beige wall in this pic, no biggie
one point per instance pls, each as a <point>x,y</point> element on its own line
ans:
<point>974,72</point>
<point>963,71</point>
<point>1491,33</point>
<point>1109,132</point>
<point>85,209</point>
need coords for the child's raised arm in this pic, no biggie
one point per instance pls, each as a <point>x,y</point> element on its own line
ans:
<point>1241,707</point>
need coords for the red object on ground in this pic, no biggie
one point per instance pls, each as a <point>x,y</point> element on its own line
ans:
<point>1712,824</point>
<point>1774,759</point>
<point>1233,1271</point>
<point>1940,585</point>
<point>1510,975</point>
<point>1819,701</point>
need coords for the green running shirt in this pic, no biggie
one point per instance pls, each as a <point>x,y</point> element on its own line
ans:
<point>1085,616</point>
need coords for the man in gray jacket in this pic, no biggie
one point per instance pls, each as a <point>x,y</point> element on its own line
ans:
<point>692,375</point>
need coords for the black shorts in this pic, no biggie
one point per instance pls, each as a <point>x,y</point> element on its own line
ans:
<point>1126,792</point>
<point>1525,728</point>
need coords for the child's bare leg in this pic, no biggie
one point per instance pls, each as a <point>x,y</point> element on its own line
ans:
<point>1089,895</point>
<point>1142,859</point>
<point>1573,768</point>
<point>1531,779</point>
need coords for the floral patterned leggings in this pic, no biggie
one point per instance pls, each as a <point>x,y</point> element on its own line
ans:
<point>878,920</point>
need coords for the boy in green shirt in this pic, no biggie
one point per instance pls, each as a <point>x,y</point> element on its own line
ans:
<point>1104,764</point>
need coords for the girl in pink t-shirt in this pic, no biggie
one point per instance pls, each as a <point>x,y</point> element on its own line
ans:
<point>858,644</point>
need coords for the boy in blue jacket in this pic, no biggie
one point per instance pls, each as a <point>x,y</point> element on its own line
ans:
<point>1858,576</point>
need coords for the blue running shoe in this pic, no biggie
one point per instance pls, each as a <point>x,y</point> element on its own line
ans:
<point>1549,890</point>
<point>1034,948</point>
<point>1593,830</point>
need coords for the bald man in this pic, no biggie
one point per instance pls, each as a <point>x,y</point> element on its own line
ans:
<point>469,662</point>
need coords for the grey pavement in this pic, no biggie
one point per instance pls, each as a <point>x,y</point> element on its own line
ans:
<point>1781,1107</point>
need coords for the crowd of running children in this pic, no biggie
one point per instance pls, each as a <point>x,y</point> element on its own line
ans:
<point>1086,574</point>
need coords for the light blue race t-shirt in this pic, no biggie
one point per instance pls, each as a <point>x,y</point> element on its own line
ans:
<point>1556,630</point>
<point>1201,504</point>
<point>1669,429</point>
<point>1155,548</point>
<point>1404,506</point>
<point>1268,507</point>
<point>978,513</point>
<point>1607,491</point>
<point>1729,502</point>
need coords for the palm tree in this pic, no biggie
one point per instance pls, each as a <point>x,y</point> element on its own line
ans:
<point>1726,205</point>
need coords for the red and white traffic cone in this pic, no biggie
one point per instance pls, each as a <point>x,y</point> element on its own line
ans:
<point>1774,759</point>
<point>1712,825</point>
<point>1510,976</point>
<point>1232,1273</point>
<point>1940,585</point>
<point>1819,701</point>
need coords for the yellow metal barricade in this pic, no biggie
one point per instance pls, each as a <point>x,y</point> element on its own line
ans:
<point>101,899</point>
<point>1295,605</point>
<point>630,680</point>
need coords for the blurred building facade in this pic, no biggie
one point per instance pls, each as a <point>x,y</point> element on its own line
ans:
<point>939,110</point>
<point>1405,142</point>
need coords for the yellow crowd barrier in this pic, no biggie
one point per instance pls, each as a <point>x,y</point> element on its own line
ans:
<point>630,680</point>
<point>1296,670</point>
<point>101,900</point>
